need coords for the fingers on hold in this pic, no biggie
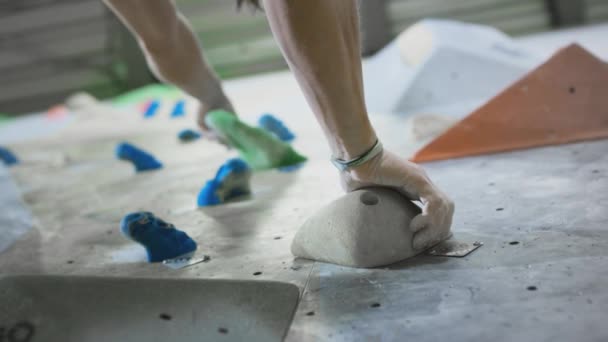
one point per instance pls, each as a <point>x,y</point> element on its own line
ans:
<point>221,140</point>
<point>451,205</point>
<point>429,237</point>
<point>425,239</point>
<point>200,120</point>
<point>408,194</point>
<point>419,222</point>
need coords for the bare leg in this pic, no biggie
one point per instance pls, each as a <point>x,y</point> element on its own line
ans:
<point>172,50</point>
<point>320,40</point>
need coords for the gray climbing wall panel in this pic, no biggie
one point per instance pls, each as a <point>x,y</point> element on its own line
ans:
<point>512,16</point>
<point>596,11</point>
<point>49,49</point>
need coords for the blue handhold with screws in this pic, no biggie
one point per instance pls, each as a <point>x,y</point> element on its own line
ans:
<point>161,239</point>
<point>230,182</point>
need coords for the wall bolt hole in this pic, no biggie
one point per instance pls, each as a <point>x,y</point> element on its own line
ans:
<point>369,198</point>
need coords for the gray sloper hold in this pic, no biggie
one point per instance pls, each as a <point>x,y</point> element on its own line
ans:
<point>364,228</point>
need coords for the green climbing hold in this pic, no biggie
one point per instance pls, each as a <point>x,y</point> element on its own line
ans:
<point>152,91</point>
<point>259,148</point>
<point>5,118</point>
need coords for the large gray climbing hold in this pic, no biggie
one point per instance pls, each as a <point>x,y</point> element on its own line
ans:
<point>365,228</point>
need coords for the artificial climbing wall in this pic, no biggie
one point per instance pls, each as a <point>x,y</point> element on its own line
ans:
<point>50,48</point>
<point>596,11</point>
<point>515,17</point>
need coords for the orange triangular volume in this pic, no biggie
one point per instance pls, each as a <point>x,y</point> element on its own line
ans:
<point>562,101</point>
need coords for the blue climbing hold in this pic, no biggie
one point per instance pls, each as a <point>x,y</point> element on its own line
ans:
<point>188,135</point>
<point>270,123</point>
<point>161,240</point>
<point>230,182</point>
<point>8,157</point>
<point>142,160</point>
<point>152,109</point>
<point>179,110</point>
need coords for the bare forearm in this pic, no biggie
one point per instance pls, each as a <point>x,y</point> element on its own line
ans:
<point>171,48</point>
<point>320,40</point>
